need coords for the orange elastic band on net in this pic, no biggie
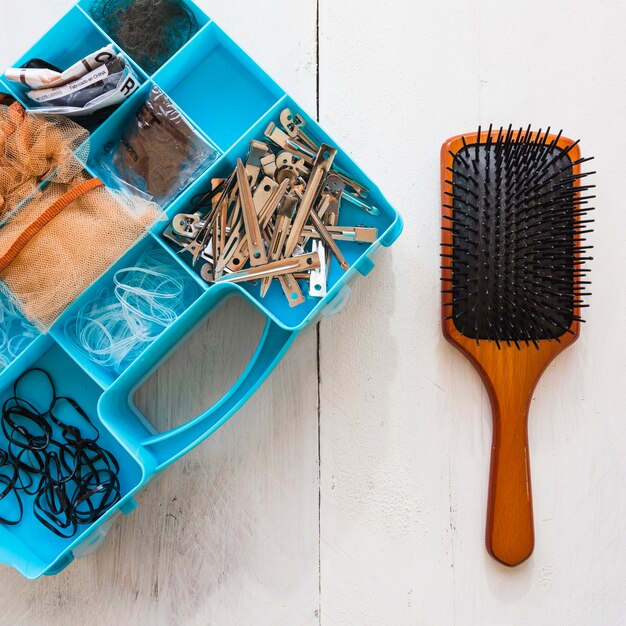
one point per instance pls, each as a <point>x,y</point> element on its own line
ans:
<point>46,217</point>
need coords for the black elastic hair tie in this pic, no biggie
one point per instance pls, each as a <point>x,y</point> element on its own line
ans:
<point>71,478</point>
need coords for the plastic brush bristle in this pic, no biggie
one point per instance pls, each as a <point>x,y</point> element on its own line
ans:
<point>517,216</point>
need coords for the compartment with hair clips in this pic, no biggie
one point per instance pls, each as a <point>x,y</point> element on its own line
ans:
<point>281,167</point>
<point>224,188</point>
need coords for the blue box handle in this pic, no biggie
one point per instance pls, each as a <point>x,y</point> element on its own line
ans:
<point>157,451</point>
<point>169,446</point>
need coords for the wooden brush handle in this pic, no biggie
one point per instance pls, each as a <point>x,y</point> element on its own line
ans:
<point>510,534</point>
<point>510,375</point>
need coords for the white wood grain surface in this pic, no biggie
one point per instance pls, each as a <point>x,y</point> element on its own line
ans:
<point>359,498</point>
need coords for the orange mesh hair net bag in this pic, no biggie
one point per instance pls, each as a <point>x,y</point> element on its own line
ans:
<point>60,228</point>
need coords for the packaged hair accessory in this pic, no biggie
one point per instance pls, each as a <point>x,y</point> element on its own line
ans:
<point>159,152</point>
<point>99,81</point>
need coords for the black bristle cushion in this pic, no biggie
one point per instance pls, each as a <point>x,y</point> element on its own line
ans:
<point>515,251</point>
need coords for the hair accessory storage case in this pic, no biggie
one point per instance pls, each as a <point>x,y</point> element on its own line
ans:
<point>249,101</point>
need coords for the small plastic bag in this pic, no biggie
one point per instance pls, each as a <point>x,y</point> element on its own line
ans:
<point>160,153</point>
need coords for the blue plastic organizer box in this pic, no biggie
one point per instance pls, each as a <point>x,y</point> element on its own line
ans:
<point>228,118</point>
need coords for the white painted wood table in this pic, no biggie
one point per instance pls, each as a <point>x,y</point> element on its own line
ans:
<point>351,490</point>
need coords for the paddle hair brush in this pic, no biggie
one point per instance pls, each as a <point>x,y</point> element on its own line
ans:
<point>514,248</point>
